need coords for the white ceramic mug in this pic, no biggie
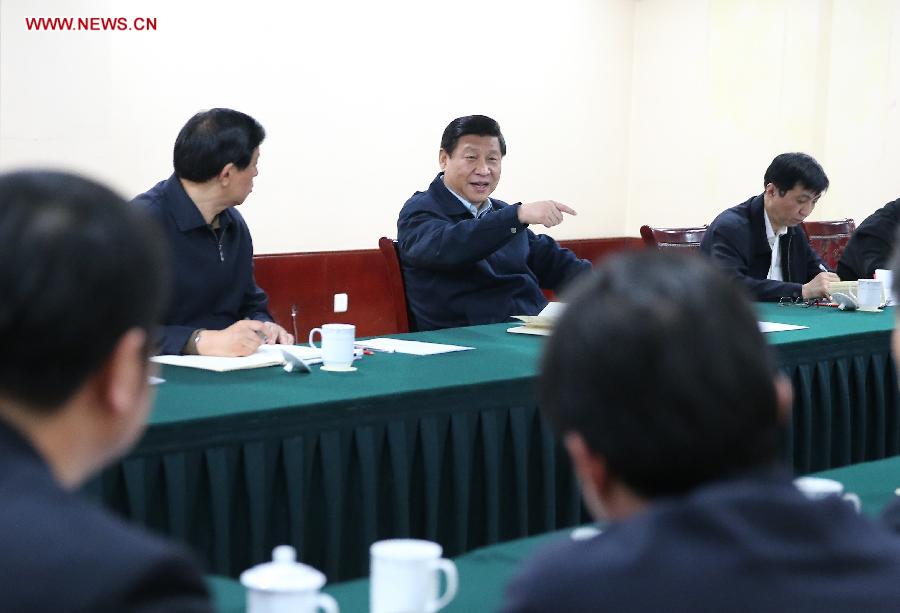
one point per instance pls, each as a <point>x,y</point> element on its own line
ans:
<point>404,577</point>
<point>817,488</point>
<point>286,586</point>
<point>337,345</point>
<point>886,277</point>
<point>870,294</point>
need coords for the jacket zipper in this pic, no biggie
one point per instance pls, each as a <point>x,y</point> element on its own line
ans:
<point>218,238</point>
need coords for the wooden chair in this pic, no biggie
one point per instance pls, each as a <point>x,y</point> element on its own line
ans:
<point>388,248</point>
<point>309,281</point>
<point>673,238</point>
<point>829,238</point>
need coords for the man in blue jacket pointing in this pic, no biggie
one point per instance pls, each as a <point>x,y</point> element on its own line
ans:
<point>468,259</point>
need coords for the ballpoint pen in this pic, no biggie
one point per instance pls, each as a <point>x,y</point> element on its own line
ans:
<point>294,321</point>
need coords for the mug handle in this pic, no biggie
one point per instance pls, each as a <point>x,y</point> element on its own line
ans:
<point>312,333</point>
<point>327,603</point>
<point>449,569</point>
<point>853,499</point>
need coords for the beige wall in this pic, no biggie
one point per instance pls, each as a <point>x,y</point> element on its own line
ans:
<point>721,86</point>
<point>632,111</point>
<point>354,96</point>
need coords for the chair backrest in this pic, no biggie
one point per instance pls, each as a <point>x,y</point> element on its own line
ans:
<point>829,238</point>
<point>309,281</point>
<point>673,238</point>
<point>388,248</point>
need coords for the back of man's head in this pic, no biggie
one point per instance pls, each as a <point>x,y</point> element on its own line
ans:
<point>658,364</point>
<point>212,139</point>
<point>79,269</point>
<point>789,169</point>
<point>478,125</point>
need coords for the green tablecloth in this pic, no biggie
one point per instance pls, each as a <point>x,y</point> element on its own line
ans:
<point>846,407</point>
<point>484,573</point>
<point>450,447</point>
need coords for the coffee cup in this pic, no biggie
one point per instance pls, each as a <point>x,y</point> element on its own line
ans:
<point>870,294</point>
<point>286,586</point>
<point>817,488</point>
<point>337,345</point>
<point>404,577</point>
<point>886,277</point>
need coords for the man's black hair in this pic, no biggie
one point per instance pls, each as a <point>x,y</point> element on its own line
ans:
<point>789,169</point>
<point>479,125</point>
<point>79,268</point>
<point>212,139</point>
<point>659,364</point>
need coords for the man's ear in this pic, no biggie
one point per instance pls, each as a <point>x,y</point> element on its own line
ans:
<point>123,379</point>
<point>770,189</point>
<point>592,473</point>
<point>784,397</point>
<point>443,156</point>
<point>224,175</point>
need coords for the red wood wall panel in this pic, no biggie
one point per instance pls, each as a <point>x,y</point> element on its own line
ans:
<point>310,281</point>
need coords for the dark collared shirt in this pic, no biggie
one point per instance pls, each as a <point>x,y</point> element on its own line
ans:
<point>212,270</point>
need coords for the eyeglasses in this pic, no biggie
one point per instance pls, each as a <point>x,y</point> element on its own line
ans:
<point>787,301</point>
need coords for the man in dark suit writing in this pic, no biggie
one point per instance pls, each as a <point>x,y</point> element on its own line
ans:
<point>761,243</point>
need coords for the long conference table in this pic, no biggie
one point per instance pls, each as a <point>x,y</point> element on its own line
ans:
<point>450,447</point>
<point>485,572</point>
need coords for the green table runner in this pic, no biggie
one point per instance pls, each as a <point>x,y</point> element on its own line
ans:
<point>484,573</point>
<point>846,407</point>
<point>451,448</point>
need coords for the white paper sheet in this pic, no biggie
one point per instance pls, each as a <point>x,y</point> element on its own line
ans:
<point>393,345</point>
<point>553,310</point>
<point>771,326</point>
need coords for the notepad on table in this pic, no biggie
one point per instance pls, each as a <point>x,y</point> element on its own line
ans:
<point>266,355</point>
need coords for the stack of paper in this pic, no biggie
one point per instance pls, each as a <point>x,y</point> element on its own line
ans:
<point>542,323</point>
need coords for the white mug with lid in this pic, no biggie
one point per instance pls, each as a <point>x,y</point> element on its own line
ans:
<point>285,586</point>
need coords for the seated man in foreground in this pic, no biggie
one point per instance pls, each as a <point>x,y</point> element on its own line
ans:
<point>671,409</point>
<point>761,243</point>
<point>83,286</point>
<point>891,513</point>
<point>871,245</point>
<point>216,307</point>
<point>468,259</point>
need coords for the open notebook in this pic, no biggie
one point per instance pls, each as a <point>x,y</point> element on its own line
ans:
<point>266,355</point>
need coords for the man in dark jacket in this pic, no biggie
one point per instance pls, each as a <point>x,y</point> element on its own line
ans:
<point>669,403</point>
<point>760,241</point>
<point>83,284</point>
<point>468,259</point>
<point>871,245</point>
<point>216,307</point>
